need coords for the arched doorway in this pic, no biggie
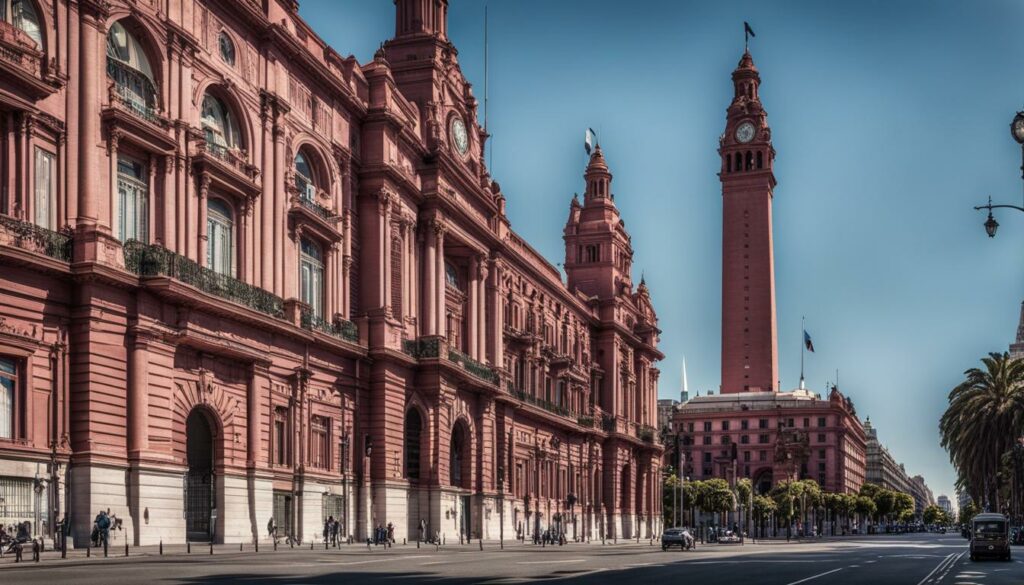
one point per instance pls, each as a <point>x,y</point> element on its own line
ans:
<point>459,469</point>
<point>763,481</point>
<point>199,478</point>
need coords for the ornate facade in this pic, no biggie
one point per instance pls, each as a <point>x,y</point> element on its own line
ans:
<point>244,277</point>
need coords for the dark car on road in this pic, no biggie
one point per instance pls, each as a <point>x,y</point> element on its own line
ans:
<point>990,537</point>
<point>676,537</point>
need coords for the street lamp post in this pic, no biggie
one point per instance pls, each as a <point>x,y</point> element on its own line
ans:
<point>1017,132</point>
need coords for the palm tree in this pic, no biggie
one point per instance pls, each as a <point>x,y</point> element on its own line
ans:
<point>984,418</point>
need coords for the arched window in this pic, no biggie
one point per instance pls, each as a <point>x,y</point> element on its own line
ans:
<point>760,159</point>
<point>304,181</point>
<point>22,14</point>
<point>451,276</point>
<point>750,161</point>
<point>220,228</point>
<point>219,124</point>
<point>226,47</point>
<point>739,162</point>
<point>728,164</point>
<point>413,433</point>
<point>132,200</point>
<point>130,70</point>
<point>312,276</point>
<point>458,468</point>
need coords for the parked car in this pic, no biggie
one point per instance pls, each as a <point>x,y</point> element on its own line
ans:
<point>729,537</point>
<point>990,537</point>
<point>680,537</point>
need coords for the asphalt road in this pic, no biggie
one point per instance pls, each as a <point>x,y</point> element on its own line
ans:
<point>922,559</point>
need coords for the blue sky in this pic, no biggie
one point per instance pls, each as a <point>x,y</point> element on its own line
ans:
<point>890,118</point>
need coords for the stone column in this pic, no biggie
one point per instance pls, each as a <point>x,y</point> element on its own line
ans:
<point>481,310</point>
<point>246,254</point>
<point>430,290</point>
<point>472,321</point>
<point>138,394</point>
<point>386,250</point>
<point>113,141</point>
<point>280,209</point>
<point>497,305</point>
<point>267,199</point>
<point>89,70</point>
<point>439,283</point>
<point>204,189</point>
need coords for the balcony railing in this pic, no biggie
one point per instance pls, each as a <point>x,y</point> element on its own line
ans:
<point>19,49</point>
<point>542,403</point>
<point>29,236</point>
<point>316,209</point>
<point>585,421</point>
<point>608,423</point>
<point>339,328</point>
<point>147,260</point>
<point>645,433</point>
<point>132,91</point>
<point>422,348</point>
<point>474,367</point>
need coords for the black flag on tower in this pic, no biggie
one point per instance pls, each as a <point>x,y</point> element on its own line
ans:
<point>747,33</point>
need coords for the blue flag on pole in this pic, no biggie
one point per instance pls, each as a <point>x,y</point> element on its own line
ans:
<point>807,342</point>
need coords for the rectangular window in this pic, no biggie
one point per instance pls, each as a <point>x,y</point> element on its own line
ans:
<point>707,439</point>
<point>821,421</point>
<point>132,200</point>
<point>320,457</point>
<point>707,458</point>
<point>745,439</point>
<point>8,396</point>
<point>707,426</point>
<point>821,437</point>
<point>689,427</point>
<point>311,277</point>
<point>744,424</point>
<point>762,439</point>
<point>789,423</point>
<point>280,455</point>
<point>746,456</point>
<point>807,422</point>
<point>762,423</point>
<point>725,425</point>
<point>762,456</point>
<point>46,208</point>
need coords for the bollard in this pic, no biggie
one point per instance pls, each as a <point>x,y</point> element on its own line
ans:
<point>417,544</point>
<point>161,547</point>
<point>239,547</point>
<point>275,544</point>
<point>403,542</point>
<point>188,547</point>
<point>481,544</point>
<point>256,541</point>
<point>63,544</point>
<point>126,547</point>
<point>291,543</point>
<point>211,548</point>
<point>88,550</point>
<point>106,547</point>
<point>311,545</point>
<point>443,538</point>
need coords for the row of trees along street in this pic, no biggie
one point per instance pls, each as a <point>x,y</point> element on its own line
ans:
<point>983,431</point>
<point>789,509</point>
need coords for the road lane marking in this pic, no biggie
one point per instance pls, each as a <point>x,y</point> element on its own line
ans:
<point>550,562</point>
<point>946,561</point>
<point>381,560</point>
<point>815,576</point>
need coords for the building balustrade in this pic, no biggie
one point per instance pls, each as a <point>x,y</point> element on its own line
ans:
<point>542,403</point>
<point>609,424</point>
<point>472,366</point>
<point>29,236</point>
<point>585,421</point>
<point>18,49</point>
<point>316,209</point>
<point>149,260</point>
<point>645,433</point>
<point>425,347</point>
<point>340,328</point>
<point>133,92</point>
<point>230,157</point>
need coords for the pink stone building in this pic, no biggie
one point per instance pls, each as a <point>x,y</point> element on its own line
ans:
<point>244,278</point>
<point>752,429</point>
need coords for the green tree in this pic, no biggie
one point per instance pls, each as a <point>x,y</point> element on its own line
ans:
<point>932,515</point>
<point>864,507</point>
<point>764,508</point>
<point>983,419</point>
<point>969,511</point>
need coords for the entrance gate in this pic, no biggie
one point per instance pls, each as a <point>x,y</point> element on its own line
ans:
<point>200,491</point>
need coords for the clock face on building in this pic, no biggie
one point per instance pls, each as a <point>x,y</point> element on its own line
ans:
<point>745,132</point>
<point>460,139</point>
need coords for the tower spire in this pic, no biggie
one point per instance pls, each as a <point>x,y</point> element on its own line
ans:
<point>1017,348</point>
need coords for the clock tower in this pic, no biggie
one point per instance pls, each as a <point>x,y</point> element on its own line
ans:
<point>750,347</point>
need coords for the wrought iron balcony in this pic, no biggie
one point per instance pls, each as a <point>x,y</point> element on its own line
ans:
<point>585,421</point>
<point>18,49</point>
<point>609,424</point>
<point>28,236</point>
<point>133,92</point>
<point>472,366</point>
<point>340,328</point>
<point>645,433</point>
<point>317,209</point>
<point>429,347</point>
<point>148,260</point>
<point>542,403</point>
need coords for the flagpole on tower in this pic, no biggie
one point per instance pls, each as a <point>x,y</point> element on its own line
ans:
<point>803,348</point>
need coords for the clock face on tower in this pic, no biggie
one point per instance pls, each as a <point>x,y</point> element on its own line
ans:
<point>745,132</point>
<point>460,139</point>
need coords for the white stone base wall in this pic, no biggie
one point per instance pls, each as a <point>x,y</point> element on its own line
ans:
<point>94,488</point>
<point>261,505</point>
<point>233,521</point>
<point>156,504</point>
